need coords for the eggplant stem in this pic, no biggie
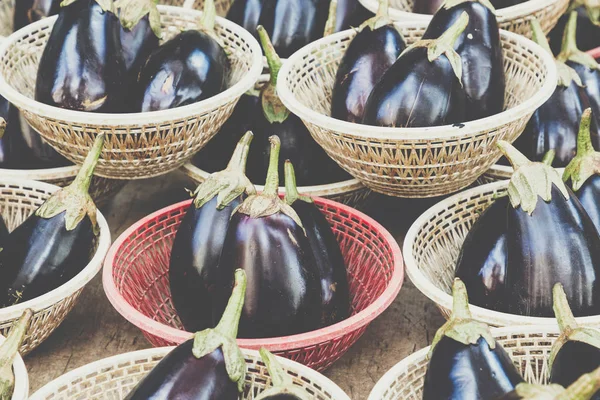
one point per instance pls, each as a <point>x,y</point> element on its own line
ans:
<point>272,181</point>
<point>538,35</point>
<point>570,51</point>
<point>460,300</point>
<point>584,136</point>
<point>562,311</point>
<point>586,162</point>
<point>583,388</point>
<point>383,9</point>
<point>83,179</point>
<point>451,3</point>
<point>230,321</point>
<point>549,157</point>
<point>278,376</point>
<point>291,189</point>
<point>8,352</point>
<point>239,158</point>
<point>131,12</point>
<point>2,127</point>
<point>273,108</point>
<point>209,14</point>
<point>331,18</point>
<point>514,156</point>
<point>272,57</point>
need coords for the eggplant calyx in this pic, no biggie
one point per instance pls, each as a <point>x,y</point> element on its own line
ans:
<point>107,5</point>
<point>291,190</point>
<point>224,334</point>
<point>461,326</point>
<point>570,51</point>
<point>452,3</point>
<point>528,391</point>
<point>587,161</point>
<point>132,11</point>
<point>273,108</point>
<point>281,381</point>
<point>75,199</point>
<point>8,352</point>
<point>382,18</point>
<point>2,127</point>
<point>331,19</point>
<point>230,183</point>
<point>530,179</point>
<point>445,45</point>
<point>592,9</point>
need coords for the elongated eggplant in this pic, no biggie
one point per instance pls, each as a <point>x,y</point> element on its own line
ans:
<point>82,66</point>
<point>335,294</point>
<point>540,234</point>
<point>588,26</point>
<point>209,367</point>
<point>282,386</point>
<point>29,11</point>
<point>199,240</point>
<point>427,6</point>
<point>480,51</point>
<point>465,361</point>
<point>246,13</point>
<point>266,239</point>
<point>8,352</point>
<point>421,88</point>
<point>372,52</point>
<point>54,244</point>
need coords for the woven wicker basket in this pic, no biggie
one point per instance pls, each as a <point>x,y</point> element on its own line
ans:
<point>112,378</point>
<point>414,162</point>
<point>21,391</point>
<point>18,199</point>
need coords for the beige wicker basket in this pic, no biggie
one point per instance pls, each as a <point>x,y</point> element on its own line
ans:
<point>515,18</point>
<point>113,378</point>
<point>138,145</point>
<point>18,199</point>
<point>414,162</point>
<point>21,391</point>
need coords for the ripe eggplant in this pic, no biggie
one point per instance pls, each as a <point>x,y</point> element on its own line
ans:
<point>372,52</point>
<point>33,152</point>
<point>246,13</point>
<point>82,66</point>
<point>427,6</point>
<point>335,293</point>
<point>588,26</point>
<point>421,88</point>
<point>29,11</point>
<point>8,352</point>
<point>465,362</point>
<point>283,387</point>
<point>506,3</point>
<point>54,244</point>
<point>540,234</point>
<point>199,239</point>
<point>350,14</point>
<point>267,240</point>
<point>480,50</point>
<point>209,367</point>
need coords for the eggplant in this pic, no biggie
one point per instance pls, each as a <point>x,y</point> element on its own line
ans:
<point>480,51</point>
<point>33,152</point>
<point>54,244</point>
<point>588,26</point>
<point>350,14</point>
<point>427,6</point>
<point>540,234</point>
<point>335,293</point>
<point>506,3</point>
<point>266,239</point>
<point>283,387</point>
<point>29,11</point>
<point>191,67</point>
<point>465,361</point>
<point>246,13</point>
<point>372,52</point>
<point>421,88</point>
<point>209,367</point>
<point>82,66</point>
<point>199,239</point>
<point>8,353</point>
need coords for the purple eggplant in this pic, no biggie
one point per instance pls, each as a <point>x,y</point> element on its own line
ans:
<point>427,6</point>
<point>199,240</point>
<point>283,387</point>
<point>8,352</point>
<point>465,361</point>
<point>370,54</point>
<point>246,13</point>
<point>350,14</point>
<point>506,3</point>
<point>54,244</point>
<point>29,11</point>
<point>34,152</point>
<point>588,26</point>
<point>423,87</point>
<point>209,367</point>
<point>582,389</point>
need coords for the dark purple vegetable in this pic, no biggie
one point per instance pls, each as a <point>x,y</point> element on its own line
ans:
<point>8,352</point>
<point>506,3</point>
<point>427,6</point>
<point>372,52</point>
<point>588,26</point>
<point>82,66</point>
<point>283,387</point>
<point>246,13</point>
<point>422,88</point>
<point>480,51</point>
<point>465,362</point>
<point>54,244</point>
<point>33,152</point>
<point>208,367</point>
<point>199,240</point>
<point>30,11</point>
<point>350,14</point>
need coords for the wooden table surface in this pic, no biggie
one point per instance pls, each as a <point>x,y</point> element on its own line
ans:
<point>94,330</point>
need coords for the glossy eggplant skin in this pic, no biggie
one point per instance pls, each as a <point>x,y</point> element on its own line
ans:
<point>427,6</point>
<point>30,11</point>
<point>350,14</point>
<point>572,361</point>
<point>480,50</point>
<point>82,66</point>
<point>591,82</point>
<point>36,153</point>
<point>506,3</point>
<point>282,397</point>
<point>370,54</point>
<point>463,372</point>
<point>588,195</point>
<point>415,92</point>
<point>3,231</point>
<point>137,44</point>
<point>246,13</point>
<point>588,34</point>
<point>180,375</point>
<point>481,263</point>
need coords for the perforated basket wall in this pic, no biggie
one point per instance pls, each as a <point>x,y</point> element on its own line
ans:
<point>136,281</point>
<point>222,6</point>
<point>138,145</point>
<point>6,17</point>
<point>18,200</point>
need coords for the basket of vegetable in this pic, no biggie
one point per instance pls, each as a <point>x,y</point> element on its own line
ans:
<point>56,245</point>
<point>14,382</point>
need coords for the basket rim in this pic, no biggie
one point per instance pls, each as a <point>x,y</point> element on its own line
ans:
<point>141,118</point>
<point>285,343</point>
<point>21,391</point>
<point>414,134</point>
<point>79,281</point>
<point>444,299</point>
<point>41,174</point>
<point>302,370</point>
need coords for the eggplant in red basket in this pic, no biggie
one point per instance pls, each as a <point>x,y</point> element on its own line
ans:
<point>82,66</point>
<point>588,26</point>
<point>8,353</point>
<point>199,240</point>
<point>465,361</point>
<point>423,87</point>
<point>372,52</point>
<point>209,367</point>
<point>427,6</point>
<point>283,387</point>
<point>54,244</point>
<point>29,11</point>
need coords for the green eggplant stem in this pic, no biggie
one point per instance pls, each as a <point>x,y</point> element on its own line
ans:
<point>583,388</point>
<point>239,158</point>
<point>84,176</point>
<point>562,311</point>
<point>383,10</point>
<point>8,352</point>
<point>569,39</point>
<point>586,162</point>
<point>272,57</point>
<point>539,36</point>
<point>331,18</point>
<point>514,156</point>
<point>278,376</point>
<point>230,321</point>
<point>272,181</point>
<point>549,157</point>
<point>584,137</point>
<point>291,189</point>
<point>2,127</point>
<point>449,37</point>
<point>460,301</point>
<point>209,15</point>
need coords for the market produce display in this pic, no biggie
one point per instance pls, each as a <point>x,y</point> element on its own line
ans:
<point>8,351</point>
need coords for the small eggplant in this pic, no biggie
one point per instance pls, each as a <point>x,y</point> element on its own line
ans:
<point>554,239</point>
<point>208,367</point>
<point>283,387</point>
<point>246,13</point>
<point>588,26</point>
<point>335,294</point>
<point>8,352</point>
<point>372,52</point>
<point>421,88</point>
<point>480,51</point>
<point>465,361</point>
<point>199,240</point>
<point>54,244</point>
<point>29,11</point>
<point>267,240</point>
<point>82,66</point>
<point>427,6</point>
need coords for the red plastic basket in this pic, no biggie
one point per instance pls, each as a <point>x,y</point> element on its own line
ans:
<point>136,281</point>
<point>595,53</point>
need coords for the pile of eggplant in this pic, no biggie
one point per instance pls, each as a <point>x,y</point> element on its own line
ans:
<point>432,6</point>
<point>297,279</point>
